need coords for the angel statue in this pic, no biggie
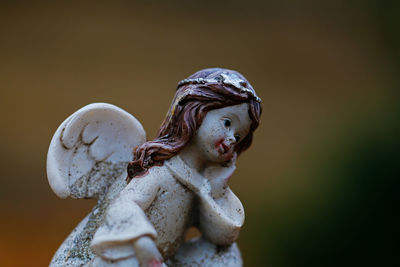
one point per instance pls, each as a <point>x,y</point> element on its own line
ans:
<point>149,193</point>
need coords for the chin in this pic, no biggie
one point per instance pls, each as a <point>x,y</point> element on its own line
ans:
<point>221,158</point>
<point>227,157</point>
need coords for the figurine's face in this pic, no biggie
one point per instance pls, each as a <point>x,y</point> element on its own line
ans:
<point>221,130</point>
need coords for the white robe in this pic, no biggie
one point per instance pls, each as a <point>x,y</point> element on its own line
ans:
<point>163,204</point>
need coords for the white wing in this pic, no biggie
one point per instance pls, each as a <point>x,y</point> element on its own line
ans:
<point>91,149</point>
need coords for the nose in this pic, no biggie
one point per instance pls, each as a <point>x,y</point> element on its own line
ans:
<point>231,139</point>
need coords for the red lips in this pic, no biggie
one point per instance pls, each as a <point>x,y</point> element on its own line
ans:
<point>221,146</point>
<point>225,147</point>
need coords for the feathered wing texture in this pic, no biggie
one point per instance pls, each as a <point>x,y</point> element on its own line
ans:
<point>91,149</point>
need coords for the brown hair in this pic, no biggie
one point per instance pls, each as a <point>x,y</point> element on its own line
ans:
<point>192,101</point>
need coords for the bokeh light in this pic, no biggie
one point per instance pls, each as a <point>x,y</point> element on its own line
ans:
<point>319,185</point>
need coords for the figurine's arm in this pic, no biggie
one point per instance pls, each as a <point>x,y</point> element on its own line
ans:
<point>147,252</point>
<point>220,212</point>
<point>218,177</point>
<point>220,219</point>
<point>125,221</point>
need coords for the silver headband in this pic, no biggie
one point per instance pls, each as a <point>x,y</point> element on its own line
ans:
<point>227,79</point>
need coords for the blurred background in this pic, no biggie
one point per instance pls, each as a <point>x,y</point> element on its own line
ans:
<point>319,183</point>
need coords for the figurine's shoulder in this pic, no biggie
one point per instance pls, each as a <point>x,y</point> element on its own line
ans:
<point>156,176</point>
<point>168,176</point>
<point>160,173</point>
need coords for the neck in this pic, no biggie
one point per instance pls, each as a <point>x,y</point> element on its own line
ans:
<point>193,158</point>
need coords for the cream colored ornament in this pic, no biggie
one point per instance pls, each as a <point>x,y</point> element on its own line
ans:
<point>176,181</point>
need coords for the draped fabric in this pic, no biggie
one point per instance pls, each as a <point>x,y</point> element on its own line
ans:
<point>160,205</point>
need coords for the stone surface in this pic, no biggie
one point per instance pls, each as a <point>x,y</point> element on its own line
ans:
<point>176,181</point>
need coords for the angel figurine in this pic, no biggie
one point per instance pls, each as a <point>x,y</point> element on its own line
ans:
<point>178,180</point>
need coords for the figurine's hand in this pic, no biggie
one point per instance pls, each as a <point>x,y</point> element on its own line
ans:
<point>218,177</point>
<point>147,252</point>
<point>232,161</point>
<point>220,183</point>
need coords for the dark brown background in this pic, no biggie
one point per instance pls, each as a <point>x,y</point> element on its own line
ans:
<point>318,184</point>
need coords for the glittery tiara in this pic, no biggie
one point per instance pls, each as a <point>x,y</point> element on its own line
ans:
<point>227,79</point>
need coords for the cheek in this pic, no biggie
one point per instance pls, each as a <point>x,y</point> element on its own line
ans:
<point>212,136</point>
<point>218,141</point>
<point>217,137</point>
